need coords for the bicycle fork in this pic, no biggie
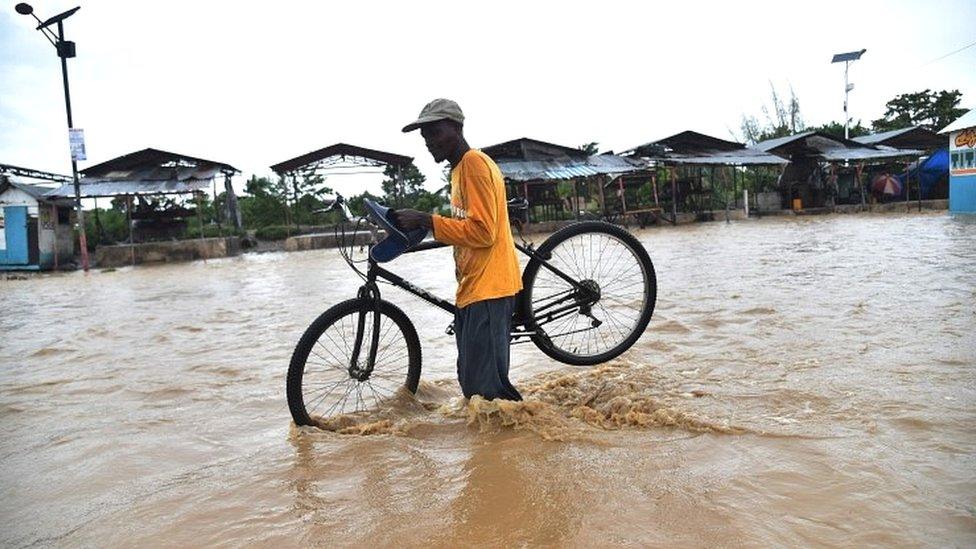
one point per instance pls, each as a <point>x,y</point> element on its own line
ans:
<point>369,300</point>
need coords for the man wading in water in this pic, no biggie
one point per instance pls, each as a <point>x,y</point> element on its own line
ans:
<point>486,268</point>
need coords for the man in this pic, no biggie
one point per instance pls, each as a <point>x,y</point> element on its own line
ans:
<point>486,268</point>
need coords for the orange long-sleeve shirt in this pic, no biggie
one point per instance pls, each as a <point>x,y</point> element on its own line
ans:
<point>484,251</point>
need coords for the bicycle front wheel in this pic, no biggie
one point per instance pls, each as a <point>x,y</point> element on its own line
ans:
<point>324,381</point>
<point>607,317</point>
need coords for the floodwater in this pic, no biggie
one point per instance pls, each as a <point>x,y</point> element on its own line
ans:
<point>804,381</point>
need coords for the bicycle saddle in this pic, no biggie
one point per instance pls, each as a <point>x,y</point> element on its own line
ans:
<point>397,241</point>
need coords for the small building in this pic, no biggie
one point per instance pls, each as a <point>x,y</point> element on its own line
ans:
<point>732,168</point>
<point>962,167</point>
<point>35,230</point>
<point>559,182</point>
<point>931,172</point>
<point>812,179</point>
<point>144,181</point>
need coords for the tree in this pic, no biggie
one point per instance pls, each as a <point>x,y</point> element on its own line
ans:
<point>928,109</point>
<point>836,129</point>
<point>307,188</point>
<point>265,203</point>
<point>591,148</point>
<point>782,118</point>
<point>402,185</point>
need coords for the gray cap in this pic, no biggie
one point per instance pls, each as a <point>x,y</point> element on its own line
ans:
<point>438,109</point>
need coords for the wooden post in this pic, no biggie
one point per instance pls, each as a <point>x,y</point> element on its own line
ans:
<point>220,227</point>
<point>128,214</point>
<point>919,164</point>
<point>600,180</point>
<point>54,213</point>
<point>908,178</point>
<point>657,203</point>
<point>674,197</point>
<point>623,196</point>
<point>98,223</point>
<point>230,200</point>
<point>575,198</point>
<point>857,172</point>
<point>200,222</point>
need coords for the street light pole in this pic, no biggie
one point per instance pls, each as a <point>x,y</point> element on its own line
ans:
<point>847,58</point>
<point>65,49</point>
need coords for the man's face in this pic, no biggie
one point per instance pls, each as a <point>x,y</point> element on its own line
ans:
<point>441,138</point>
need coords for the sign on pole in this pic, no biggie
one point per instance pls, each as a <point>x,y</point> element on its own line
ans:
<point>76,138</point>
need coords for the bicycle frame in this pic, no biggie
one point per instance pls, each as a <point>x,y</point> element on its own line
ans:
<point>375,271</point>
<point>578,299</point>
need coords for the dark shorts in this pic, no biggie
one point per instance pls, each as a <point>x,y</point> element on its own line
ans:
<point>483,331</point>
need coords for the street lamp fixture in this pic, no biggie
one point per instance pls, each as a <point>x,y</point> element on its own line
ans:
<point>65,50</point>
<point>847,58</point>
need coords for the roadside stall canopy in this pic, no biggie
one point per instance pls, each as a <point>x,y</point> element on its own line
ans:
<point>341,156</point>
<point>525,160</point>
<point>825,147</point>
<point>694,148</point>
<point>147,172</point>
<point>913,137</point>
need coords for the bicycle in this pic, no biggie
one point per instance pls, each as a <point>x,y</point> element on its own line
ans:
<point>582,303</point>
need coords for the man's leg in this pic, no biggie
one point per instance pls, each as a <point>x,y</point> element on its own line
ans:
<point>483,349</point>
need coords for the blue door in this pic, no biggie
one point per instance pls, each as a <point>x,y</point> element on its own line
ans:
<point>15,233</point>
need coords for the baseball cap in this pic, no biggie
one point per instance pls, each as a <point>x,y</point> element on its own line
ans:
<point>438,109</point>
<point>396,241</point>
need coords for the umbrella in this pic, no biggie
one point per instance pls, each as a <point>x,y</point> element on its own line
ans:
<point>886,184</point>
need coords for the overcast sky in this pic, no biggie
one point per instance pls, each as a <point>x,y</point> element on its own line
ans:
<point>252,84</point>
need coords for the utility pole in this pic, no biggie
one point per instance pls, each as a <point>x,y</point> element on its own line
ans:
<point>847,58</point>
<point>65,50</point>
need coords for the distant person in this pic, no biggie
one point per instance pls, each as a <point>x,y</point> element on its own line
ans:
<point>486,268</point>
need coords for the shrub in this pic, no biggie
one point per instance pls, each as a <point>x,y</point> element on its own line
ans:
<point>273,232</point>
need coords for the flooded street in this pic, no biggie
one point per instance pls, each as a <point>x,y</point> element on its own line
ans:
<point>803,381</point>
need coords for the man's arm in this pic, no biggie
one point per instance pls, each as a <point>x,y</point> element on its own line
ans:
<point>409,220</point>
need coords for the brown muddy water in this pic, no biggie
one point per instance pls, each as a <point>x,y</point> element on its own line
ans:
<point>802,382</point>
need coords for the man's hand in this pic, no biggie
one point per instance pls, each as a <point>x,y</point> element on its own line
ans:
<point>409,220</point>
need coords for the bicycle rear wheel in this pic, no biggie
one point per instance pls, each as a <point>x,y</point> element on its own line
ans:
<point>596,325</point>
<point>322,381</point>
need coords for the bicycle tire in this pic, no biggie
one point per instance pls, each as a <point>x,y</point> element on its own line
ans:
<point>567,243</point>
<point>331,362</point>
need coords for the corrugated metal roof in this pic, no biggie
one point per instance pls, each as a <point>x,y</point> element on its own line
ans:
<point>913,137</point>
<point>827,147</point>
<point>868,154</point>
<point>533,170</point>
<point>873,138</point>
<point>341,149</point>
<point>117,188</point>
<point>37,192</point>
<point>967,120</point>
<point>771,144</point>
<point>742,157</point>
<point>156,164</point>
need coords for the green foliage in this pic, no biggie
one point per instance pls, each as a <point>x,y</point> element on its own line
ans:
<point>836,129</point>
<point>406,191</point>
<point>307,190</point>
<point>109,226</point>
<point>210,230</point>
<point>564,189</point>
<point>356,202</point>
<point>402,185</point>
<point>266,204</point>
<point>590,149</point>
<point>782,118</point>
<point>928,109</point>
<point>273,232</point>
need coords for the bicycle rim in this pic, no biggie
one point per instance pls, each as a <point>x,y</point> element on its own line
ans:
<point>600,257</point>
<point>321,383</point>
